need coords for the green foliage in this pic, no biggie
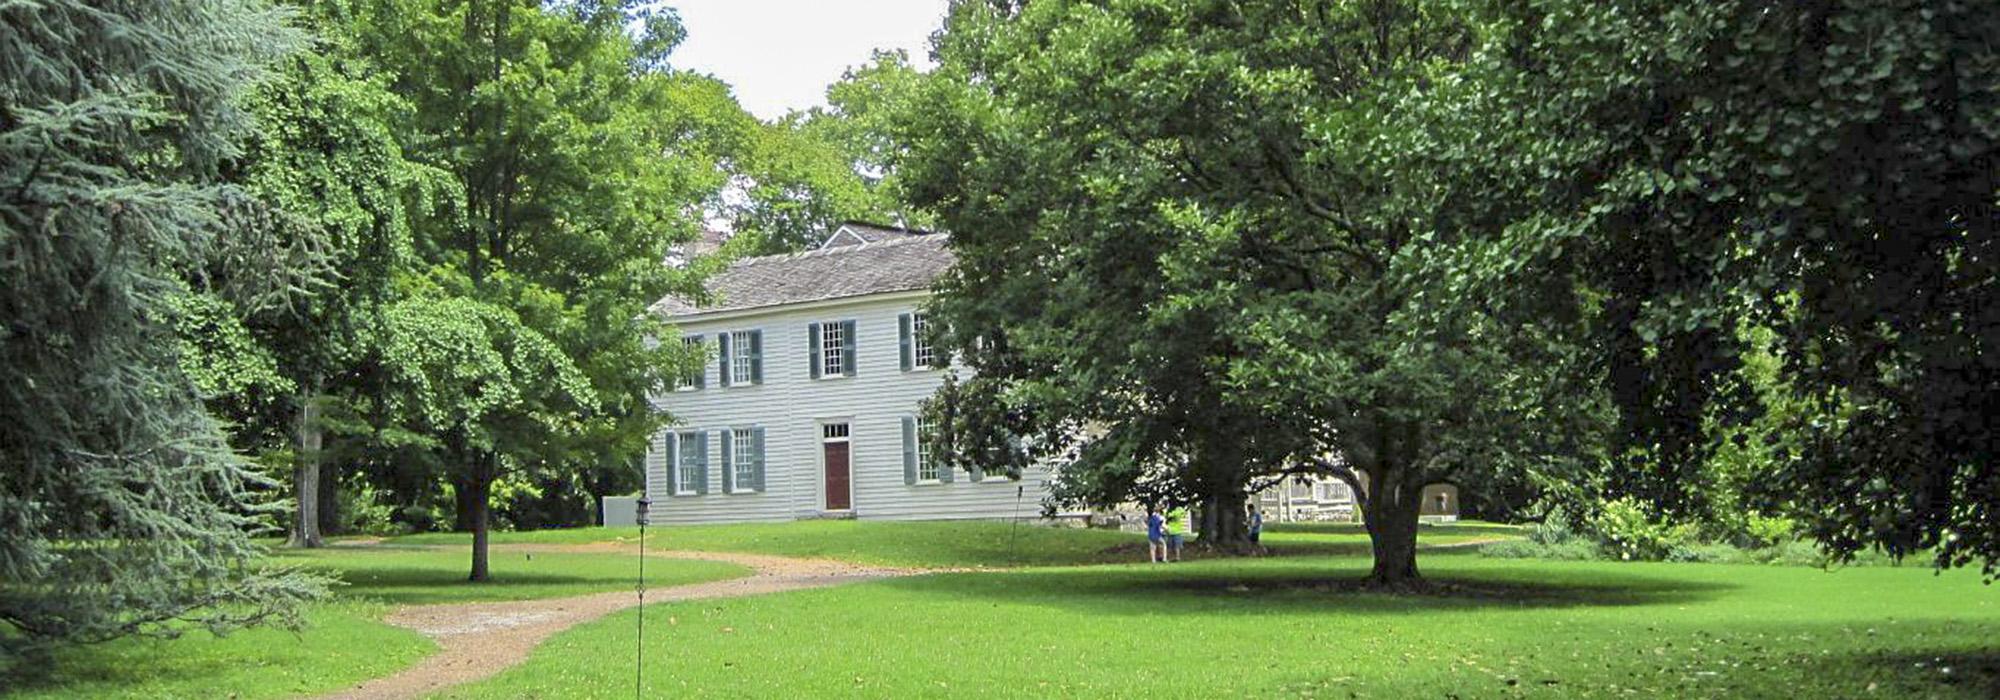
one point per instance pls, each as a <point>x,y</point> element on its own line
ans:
<point>1629,531</point>
<point>1684,174</point>
<point>812,170</point>
<point>122,510</point>
<point>1186,269</point>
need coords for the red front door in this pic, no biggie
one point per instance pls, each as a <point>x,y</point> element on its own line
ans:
<point>838,494</point>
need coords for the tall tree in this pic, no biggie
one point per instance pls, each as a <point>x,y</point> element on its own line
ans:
<point>123,511</point>
<point>1706,173</point>
<point>329,163</point>
<point>562,131</point>
<point>1182,273</point>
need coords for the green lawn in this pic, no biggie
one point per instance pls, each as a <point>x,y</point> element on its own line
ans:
<point>1289,626</point>
<point>344,644</point>
<point>345,641</point>
<point>972,543</point>
<point>420,575</point>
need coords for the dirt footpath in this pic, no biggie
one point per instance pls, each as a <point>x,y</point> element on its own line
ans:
<point>478,640</point>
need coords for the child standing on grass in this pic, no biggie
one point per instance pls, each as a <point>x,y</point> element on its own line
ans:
<point>1256,524</point>
<point>1175,526</point>
<point>1156,535</point>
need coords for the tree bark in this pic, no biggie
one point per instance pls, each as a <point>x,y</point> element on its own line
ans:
<point>479,500</point>
<point>1392,528</point>
<point>1222,525</point>
<point>305,472</point>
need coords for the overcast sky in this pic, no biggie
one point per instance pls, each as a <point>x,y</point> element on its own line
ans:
<point>780,55</point>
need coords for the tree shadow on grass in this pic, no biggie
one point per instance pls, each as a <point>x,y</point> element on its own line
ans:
<point>1202,589</point>
<point>1913,673</point>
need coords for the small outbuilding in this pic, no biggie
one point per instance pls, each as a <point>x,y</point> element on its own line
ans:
<point>1440,503</point>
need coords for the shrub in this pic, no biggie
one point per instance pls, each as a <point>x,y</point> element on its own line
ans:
<point>1573,549</point>
<point>1628,531</point>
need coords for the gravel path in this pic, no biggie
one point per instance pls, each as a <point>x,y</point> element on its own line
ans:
<point>478,640</point>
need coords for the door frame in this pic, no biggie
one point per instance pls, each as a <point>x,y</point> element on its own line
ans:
<point>820,441</point>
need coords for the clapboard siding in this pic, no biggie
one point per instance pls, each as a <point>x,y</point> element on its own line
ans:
<point>791,406</point>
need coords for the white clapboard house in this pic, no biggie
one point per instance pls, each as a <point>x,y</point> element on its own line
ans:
<point>808,405</point>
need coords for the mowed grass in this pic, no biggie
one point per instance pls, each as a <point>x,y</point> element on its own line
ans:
<point>344,641</point>
<point>960,544</point>
<point>1294,539</point>
<point>423,575</point>
<point>1294,627</point>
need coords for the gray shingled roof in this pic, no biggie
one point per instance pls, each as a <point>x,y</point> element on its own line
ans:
<point>868,233</point>
<point>891,265</point>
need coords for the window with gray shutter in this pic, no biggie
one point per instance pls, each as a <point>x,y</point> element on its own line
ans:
<point>847,355</point>
<point>909,450</point>
<point>701,455</point>
<point>757,447</point>
<point>903,346</point>
<point>693,378</point>
<point>813,349</point>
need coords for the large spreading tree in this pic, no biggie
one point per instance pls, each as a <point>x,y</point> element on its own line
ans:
<point>1816,183</point>
<point>1183,274</point>
<point>122,508</point>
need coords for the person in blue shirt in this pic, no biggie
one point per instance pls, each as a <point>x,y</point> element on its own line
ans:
<point>1156,535</point>
<point>1256,523</point>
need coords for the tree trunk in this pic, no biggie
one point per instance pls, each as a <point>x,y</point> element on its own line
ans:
<point>330,522</point>
<point>478,498</point>
<point>1392,528</point>
<point>305,472</point>
<point>1222,525</point>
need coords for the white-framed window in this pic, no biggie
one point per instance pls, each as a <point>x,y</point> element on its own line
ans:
<point>688,474</point>
<point>920,344</point>
<point>742,359</point>
<point>927,468</point>
<point>691,379</point>
<point>832,348</point>
<point>743,451</point>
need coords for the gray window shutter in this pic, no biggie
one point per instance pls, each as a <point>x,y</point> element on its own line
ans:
<point>812,348</point>
<point>757,357</point>
<point>722,341</point>
<point>847,348</point>
<point>701,368</point>
<point>757,443</point>
<point>909,351</point>
<point>728,460</point>
<point>701,462</point>
<point>909,450</point>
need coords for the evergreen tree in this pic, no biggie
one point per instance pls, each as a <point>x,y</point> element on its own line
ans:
<point>122,510</point>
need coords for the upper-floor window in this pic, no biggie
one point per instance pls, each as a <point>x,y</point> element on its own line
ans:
<point>692,378</point>
<point>916,341</point>
<point>920,339</point>
<point>832,349</point>
<point>742,347</point>
<point>742,358</point>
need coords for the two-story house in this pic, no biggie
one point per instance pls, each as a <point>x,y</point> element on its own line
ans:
<point>808,405</point>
